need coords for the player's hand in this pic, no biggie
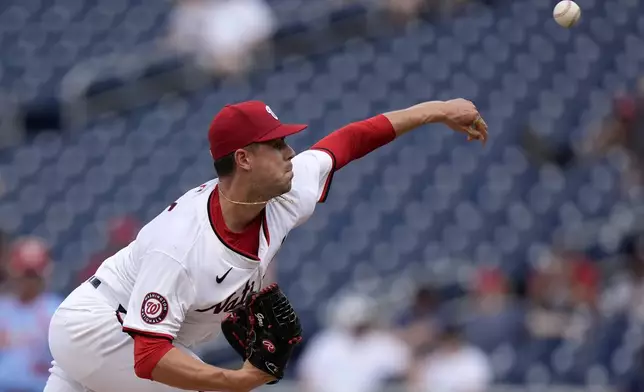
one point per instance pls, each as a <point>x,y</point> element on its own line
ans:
<point>462,116</point>
<point>264,331</point>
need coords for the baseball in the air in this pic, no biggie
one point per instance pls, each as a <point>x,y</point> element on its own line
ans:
<point>567,13</point>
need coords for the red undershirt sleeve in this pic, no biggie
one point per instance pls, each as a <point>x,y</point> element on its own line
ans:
<point>148,351</point>
<point>357,140</point>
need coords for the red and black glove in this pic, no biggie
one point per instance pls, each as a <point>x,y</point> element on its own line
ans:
<point>264,330</point>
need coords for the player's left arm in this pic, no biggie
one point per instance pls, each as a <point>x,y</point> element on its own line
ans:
<point>360,138</point>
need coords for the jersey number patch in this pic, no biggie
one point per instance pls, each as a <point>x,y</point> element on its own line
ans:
<point>154,308</point>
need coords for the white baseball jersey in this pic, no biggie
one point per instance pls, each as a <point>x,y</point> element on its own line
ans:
<point>178,278</point>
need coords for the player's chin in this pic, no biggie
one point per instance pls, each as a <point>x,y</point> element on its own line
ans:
<point>288,185</point>
<point>288,182</point>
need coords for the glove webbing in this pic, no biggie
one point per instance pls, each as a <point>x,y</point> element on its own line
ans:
<point>284,313</point>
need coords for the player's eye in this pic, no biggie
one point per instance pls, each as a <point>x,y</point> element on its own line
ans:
<point>278,144</point>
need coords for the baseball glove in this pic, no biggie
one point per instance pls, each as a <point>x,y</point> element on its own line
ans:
<point>264,330</point>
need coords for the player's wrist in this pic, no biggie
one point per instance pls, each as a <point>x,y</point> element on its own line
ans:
<point>434,112</point>
<point>249,377</point>
<point>429,112</point>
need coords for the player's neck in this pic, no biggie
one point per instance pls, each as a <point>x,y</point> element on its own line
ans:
<point>237,216</point>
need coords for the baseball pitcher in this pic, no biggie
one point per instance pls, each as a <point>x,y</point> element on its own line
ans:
<point>198,267</point>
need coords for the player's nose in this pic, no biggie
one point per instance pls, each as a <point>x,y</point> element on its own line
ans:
<point>289,153</point>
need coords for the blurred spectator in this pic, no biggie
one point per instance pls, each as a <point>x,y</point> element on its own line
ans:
<point>626,290</point>
<point>353,355</point>
<point>623,128</point>
<point>541,151</point>
<point>493,316</point>
<point>454,366</point>
<point>563,308</point>
<point>121,231</point>
<point>634,382</point>
<point>408,10</point>
<point>404,10</point>
<point>26,311</point>
<point>418,324</point>
<point>223,35</point>
<point>584,281</point>
<point>551,298</point>
<point>4,244</point>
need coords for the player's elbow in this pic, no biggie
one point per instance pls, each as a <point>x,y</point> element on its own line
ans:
<point>147,354</point>
<point>143,367</point>
<point>142,371</point>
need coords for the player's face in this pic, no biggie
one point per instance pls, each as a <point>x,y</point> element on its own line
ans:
<point>272,169</point>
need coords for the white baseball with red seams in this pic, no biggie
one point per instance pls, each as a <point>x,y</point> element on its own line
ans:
<point>567,13</point>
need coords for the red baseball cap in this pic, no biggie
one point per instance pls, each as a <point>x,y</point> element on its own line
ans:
<point>241,124</point>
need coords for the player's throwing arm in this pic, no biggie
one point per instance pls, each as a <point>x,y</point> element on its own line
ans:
<point>459,114</point>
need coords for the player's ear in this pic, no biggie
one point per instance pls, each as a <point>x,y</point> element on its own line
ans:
<point>243,159</point>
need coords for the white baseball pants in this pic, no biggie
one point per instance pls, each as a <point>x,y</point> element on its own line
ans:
<point>90,351</point>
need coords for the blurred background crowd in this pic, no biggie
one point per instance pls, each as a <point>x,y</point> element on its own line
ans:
<point>435,265</point>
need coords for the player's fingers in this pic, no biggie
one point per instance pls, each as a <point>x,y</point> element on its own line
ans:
<point>473,133</point>
<point>469,129</point>
<point>481,127</point>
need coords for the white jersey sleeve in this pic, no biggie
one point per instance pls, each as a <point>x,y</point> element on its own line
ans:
<point>161,296</point>
<point>313,171</point>
<point>312,175</point>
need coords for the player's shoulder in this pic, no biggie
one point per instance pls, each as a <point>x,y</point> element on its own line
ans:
<point>198,193</point>
<point>191,204</point>
<point>178,227</point>
<point>312,158</point>
<point>308,167</point>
